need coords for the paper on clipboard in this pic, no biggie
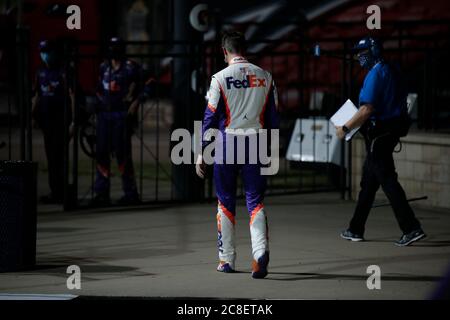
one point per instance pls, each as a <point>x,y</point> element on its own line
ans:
<point>345,113</point>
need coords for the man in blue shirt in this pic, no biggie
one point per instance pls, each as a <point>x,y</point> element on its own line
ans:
<point>383,119</point>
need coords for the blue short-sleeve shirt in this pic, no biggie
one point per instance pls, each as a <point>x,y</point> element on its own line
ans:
<point>384,90</point>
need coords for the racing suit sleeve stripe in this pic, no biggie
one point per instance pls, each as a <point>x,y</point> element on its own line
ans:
<point>210,121</point>
<point>212,114</point>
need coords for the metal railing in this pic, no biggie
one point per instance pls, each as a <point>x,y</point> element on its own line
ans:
<point>310,89</point>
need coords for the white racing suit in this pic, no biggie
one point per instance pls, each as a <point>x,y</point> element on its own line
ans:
<point>241,96</point>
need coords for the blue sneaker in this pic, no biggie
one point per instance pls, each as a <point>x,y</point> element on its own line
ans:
<point>411,237</point>
<point>259,268</point>
<point>348,235</point>
<point>225,267</point>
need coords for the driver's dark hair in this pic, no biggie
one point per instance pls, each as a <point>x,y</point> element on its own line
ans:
<point>233,41</point>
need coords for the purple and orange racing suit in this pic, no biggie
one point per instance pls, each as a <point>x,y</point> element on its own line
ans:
<point>241,97</point>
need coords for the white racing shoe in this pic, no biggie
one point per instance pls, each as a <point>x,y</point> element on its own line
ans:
<point>259,268</point>
<point>225,267</point>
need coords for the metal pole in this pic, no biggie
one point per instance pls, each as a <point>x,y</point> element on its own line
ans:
<point>94,149</point>
<point>434,107</point>
<point>67,204</point>
<point>343,92</point>
<point>186,102</point>
<point>27,97</point>
<point>76,114</point>
<point>19,12</point>
<point>425,92</point>
<point>157,135</point>
<point>20,88</point>
<point>141,151</point>
<point>314,93</point>
<point>301,100</point>
<point>141,133</point>
<point>9,121</point>
<point>349,156</point>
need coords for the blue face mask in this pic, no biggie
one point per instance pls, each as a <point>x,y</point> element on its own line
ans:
<point>366,60</point>
<point>46,57</point>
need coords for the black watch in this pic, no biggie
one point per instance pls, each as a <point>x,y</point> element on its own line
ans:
<point>346,130</point>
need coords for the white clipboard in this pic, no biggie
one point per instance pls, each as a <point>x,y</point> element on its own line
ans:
<point>345,113</point>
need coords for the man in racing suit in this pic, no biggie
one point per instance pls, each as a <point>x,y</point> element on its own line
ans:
<point>241,96</point>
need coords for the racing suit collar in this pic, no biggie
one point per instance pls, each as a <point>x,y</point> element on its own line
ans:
<point>238,59</point>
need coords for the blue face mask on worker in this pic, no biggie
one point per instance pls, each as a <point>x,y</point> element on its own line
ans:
<point>366,60</point>
<point>47,58</point>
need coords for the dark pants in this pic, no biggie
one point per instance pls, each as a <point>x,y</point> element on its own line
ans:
<point>114,138</point>
<point>379,170</point>
<point>53,128</point>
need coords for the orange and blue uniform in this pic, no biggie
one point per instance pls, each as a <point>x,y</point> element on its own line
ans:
<point>241,97</point>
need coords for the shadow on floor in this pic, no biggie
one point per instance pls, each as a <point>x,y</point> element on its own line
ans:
<point>295,276</point>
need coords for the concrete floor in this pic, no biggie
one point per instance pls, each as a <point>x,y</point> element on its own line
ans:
<point>170,252</point>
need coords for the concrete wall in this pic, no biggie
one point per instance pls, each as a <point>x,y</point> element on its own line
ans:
<point>423,167</point>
